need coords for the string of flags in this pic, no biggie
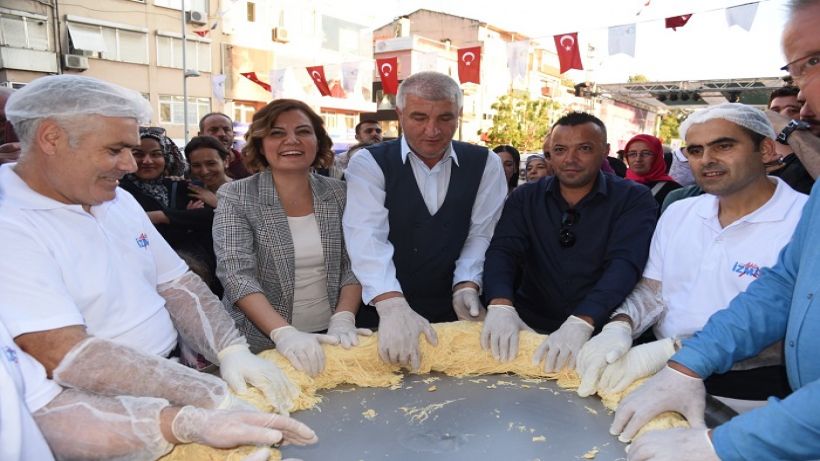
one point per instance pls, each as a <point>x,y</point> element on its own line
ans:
<point>621,40</point>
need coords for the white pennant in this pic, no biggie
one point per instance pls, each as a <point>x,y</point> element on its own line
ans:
<point>350,77</point>
<point>277,83</point>
<point>517,58</point>
<point>218,87</point>
<point>622,40</point>
<point>742,15</point>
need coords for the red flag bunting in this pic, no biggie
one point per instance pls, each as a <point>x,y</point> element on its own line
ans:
<point>469,65</point>
<point>569,54</point>
<point>252,77</point>
<point>677,21</point>
<point>317,73</point>
<point>389,72</point>
<point>205,32</point>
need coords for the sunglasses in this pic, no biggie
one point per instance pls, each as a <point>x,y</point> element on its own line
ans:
<point>566,237</point>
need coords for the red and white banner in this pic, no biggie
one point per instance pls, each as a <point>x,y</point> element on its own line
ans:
<point>677,21</point>
<point>252,77</point>
<point>569,54</point>
<point>317,74</point>
<point>389,72</point>
<point>469,64</point>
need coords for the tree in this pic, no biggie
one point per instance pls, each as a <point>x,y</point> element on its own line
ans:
<point>637,78</point>
<point>520,121</point>
<point>670,122</point>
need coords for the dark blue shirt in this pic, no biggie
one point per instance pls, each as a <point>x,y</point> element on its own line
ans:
<point>612,228</point>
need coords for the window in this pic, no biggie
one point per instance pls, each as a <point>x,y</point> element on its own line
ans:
<point>243,112</point>
<point>197,53</point>
<point>108,41</point>
<point>190,5</point>
<point>251,12</point>
<point>23,31</point>
<point>172,111</point>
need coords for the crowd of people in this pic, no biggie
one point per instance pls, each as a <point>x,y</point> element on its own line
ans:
<point>133,268</point>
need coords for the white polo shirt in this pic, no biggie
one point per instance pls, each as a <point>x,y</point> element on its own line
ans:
<point>24,389</point>
<point>62,266</point>
<point>703,266</point>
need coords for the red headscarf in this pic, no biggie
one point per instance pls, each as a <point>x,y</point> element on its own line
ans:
<point>657,172</point>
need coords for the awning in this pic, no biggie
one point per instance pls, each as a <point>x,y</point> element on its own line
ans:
<point>86,37</point>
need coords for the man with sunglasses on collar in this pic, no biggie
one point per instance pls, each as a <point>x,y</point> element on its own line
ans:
<point>582,238</point>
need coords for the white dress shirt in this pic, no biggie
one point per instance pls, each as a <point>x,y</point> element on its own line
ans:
<point>366,225</point>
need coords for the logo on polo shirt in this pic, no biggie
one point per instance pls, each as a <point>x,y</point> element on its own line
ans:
<point>11,354</point>
<point>750,269</point>
<point>142,241</point>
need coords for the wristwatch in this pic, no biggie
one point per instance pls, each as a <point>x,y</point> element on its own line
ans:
<point>783,137</point>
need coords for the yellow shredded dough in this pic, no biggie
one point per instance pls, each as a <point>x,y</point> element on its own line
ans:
<point>458,354</point>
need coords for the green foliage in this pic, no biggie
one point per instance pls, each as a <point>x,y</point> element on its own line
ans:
<point>637,78</point>
<point>521,122</point>
<point>670,124</point>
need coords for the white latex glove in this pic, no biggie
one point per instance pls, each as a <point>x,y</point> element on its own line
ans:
<point>467,304</point>
<point>399,330</point>
<point>237,365</point>
<point>561,348</point>
<point>672,445</point>
<point>343,327</point>
<point>303,350</point>
<point>228,429</point>
<point>606,347</point>
<point>644,360</point>
<point>500,331</point>
<point>669,390</point>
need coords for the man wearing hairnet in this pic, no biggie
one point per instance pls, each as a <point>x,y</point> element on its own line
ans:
<point>705,250</point>
<point>90,289</point>
<point>779,305</point>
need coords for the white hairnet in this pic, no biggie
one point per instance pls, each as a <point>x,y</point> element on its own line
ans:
<point>72,95</point>
<point>739,114</point>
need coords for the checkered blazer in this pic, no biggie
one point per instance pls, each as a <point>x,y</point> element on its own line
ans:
<point>254,248</point>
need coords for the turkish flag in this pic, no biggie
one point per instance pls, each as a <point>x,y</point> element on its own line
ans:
<point>252,77</point>
<point>389,72</point>
<point>569,54</point>
<point>317,74</point>
<point>469,65</point>
<point>677,21</point>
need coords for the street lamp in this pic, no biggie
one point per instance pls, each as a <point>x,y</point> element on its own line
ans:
<point>185,73</point>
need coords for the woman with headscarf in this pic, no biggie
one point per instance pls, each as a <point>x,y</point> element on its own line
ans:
<point>157,185</point>
<point>644,155</point>
<point>537,167</point>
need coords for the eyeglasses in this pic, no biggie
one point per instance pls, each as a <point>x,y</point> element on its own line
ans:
<point>566,237</point>
<point>799,67</point>
<point>632,155</point>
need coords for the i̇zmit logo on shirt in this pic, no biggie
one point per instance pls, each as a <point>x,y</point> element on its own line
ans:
<point>142,240</point>
<point>750,269</point>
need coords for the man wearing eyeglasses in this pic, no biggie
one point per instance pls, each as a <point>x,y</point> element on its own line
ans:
<point>582,238</point>
<point>782,304</point>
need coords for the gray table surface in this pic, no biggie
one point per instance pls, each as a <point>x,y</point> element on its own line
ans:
<point>497,417</point>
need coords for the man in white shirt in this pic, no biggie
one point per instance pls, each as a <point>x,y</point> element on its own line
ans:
<point>705,251</point>
<point>90,289</point>
<point>420,214</point>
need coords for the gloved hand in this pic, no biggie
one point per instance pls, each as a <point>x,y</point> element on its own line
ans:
<point>238,365</point>
<point>669,390</point>
<point>500,331</point>
<point>228,429</point>
<point>303,350</point>
<point>561,348</point>
<point>606,347</point>
<point>399,330</point>
<point>343,328</point>
<point>644,360</point>
<point>467,305</point>
<point>669,444</point>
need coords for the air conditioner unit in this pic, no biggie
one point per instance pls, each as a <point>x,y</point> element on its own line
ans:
<point>75,62</point>
<point>279,34</point>
<point>196,17</point>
